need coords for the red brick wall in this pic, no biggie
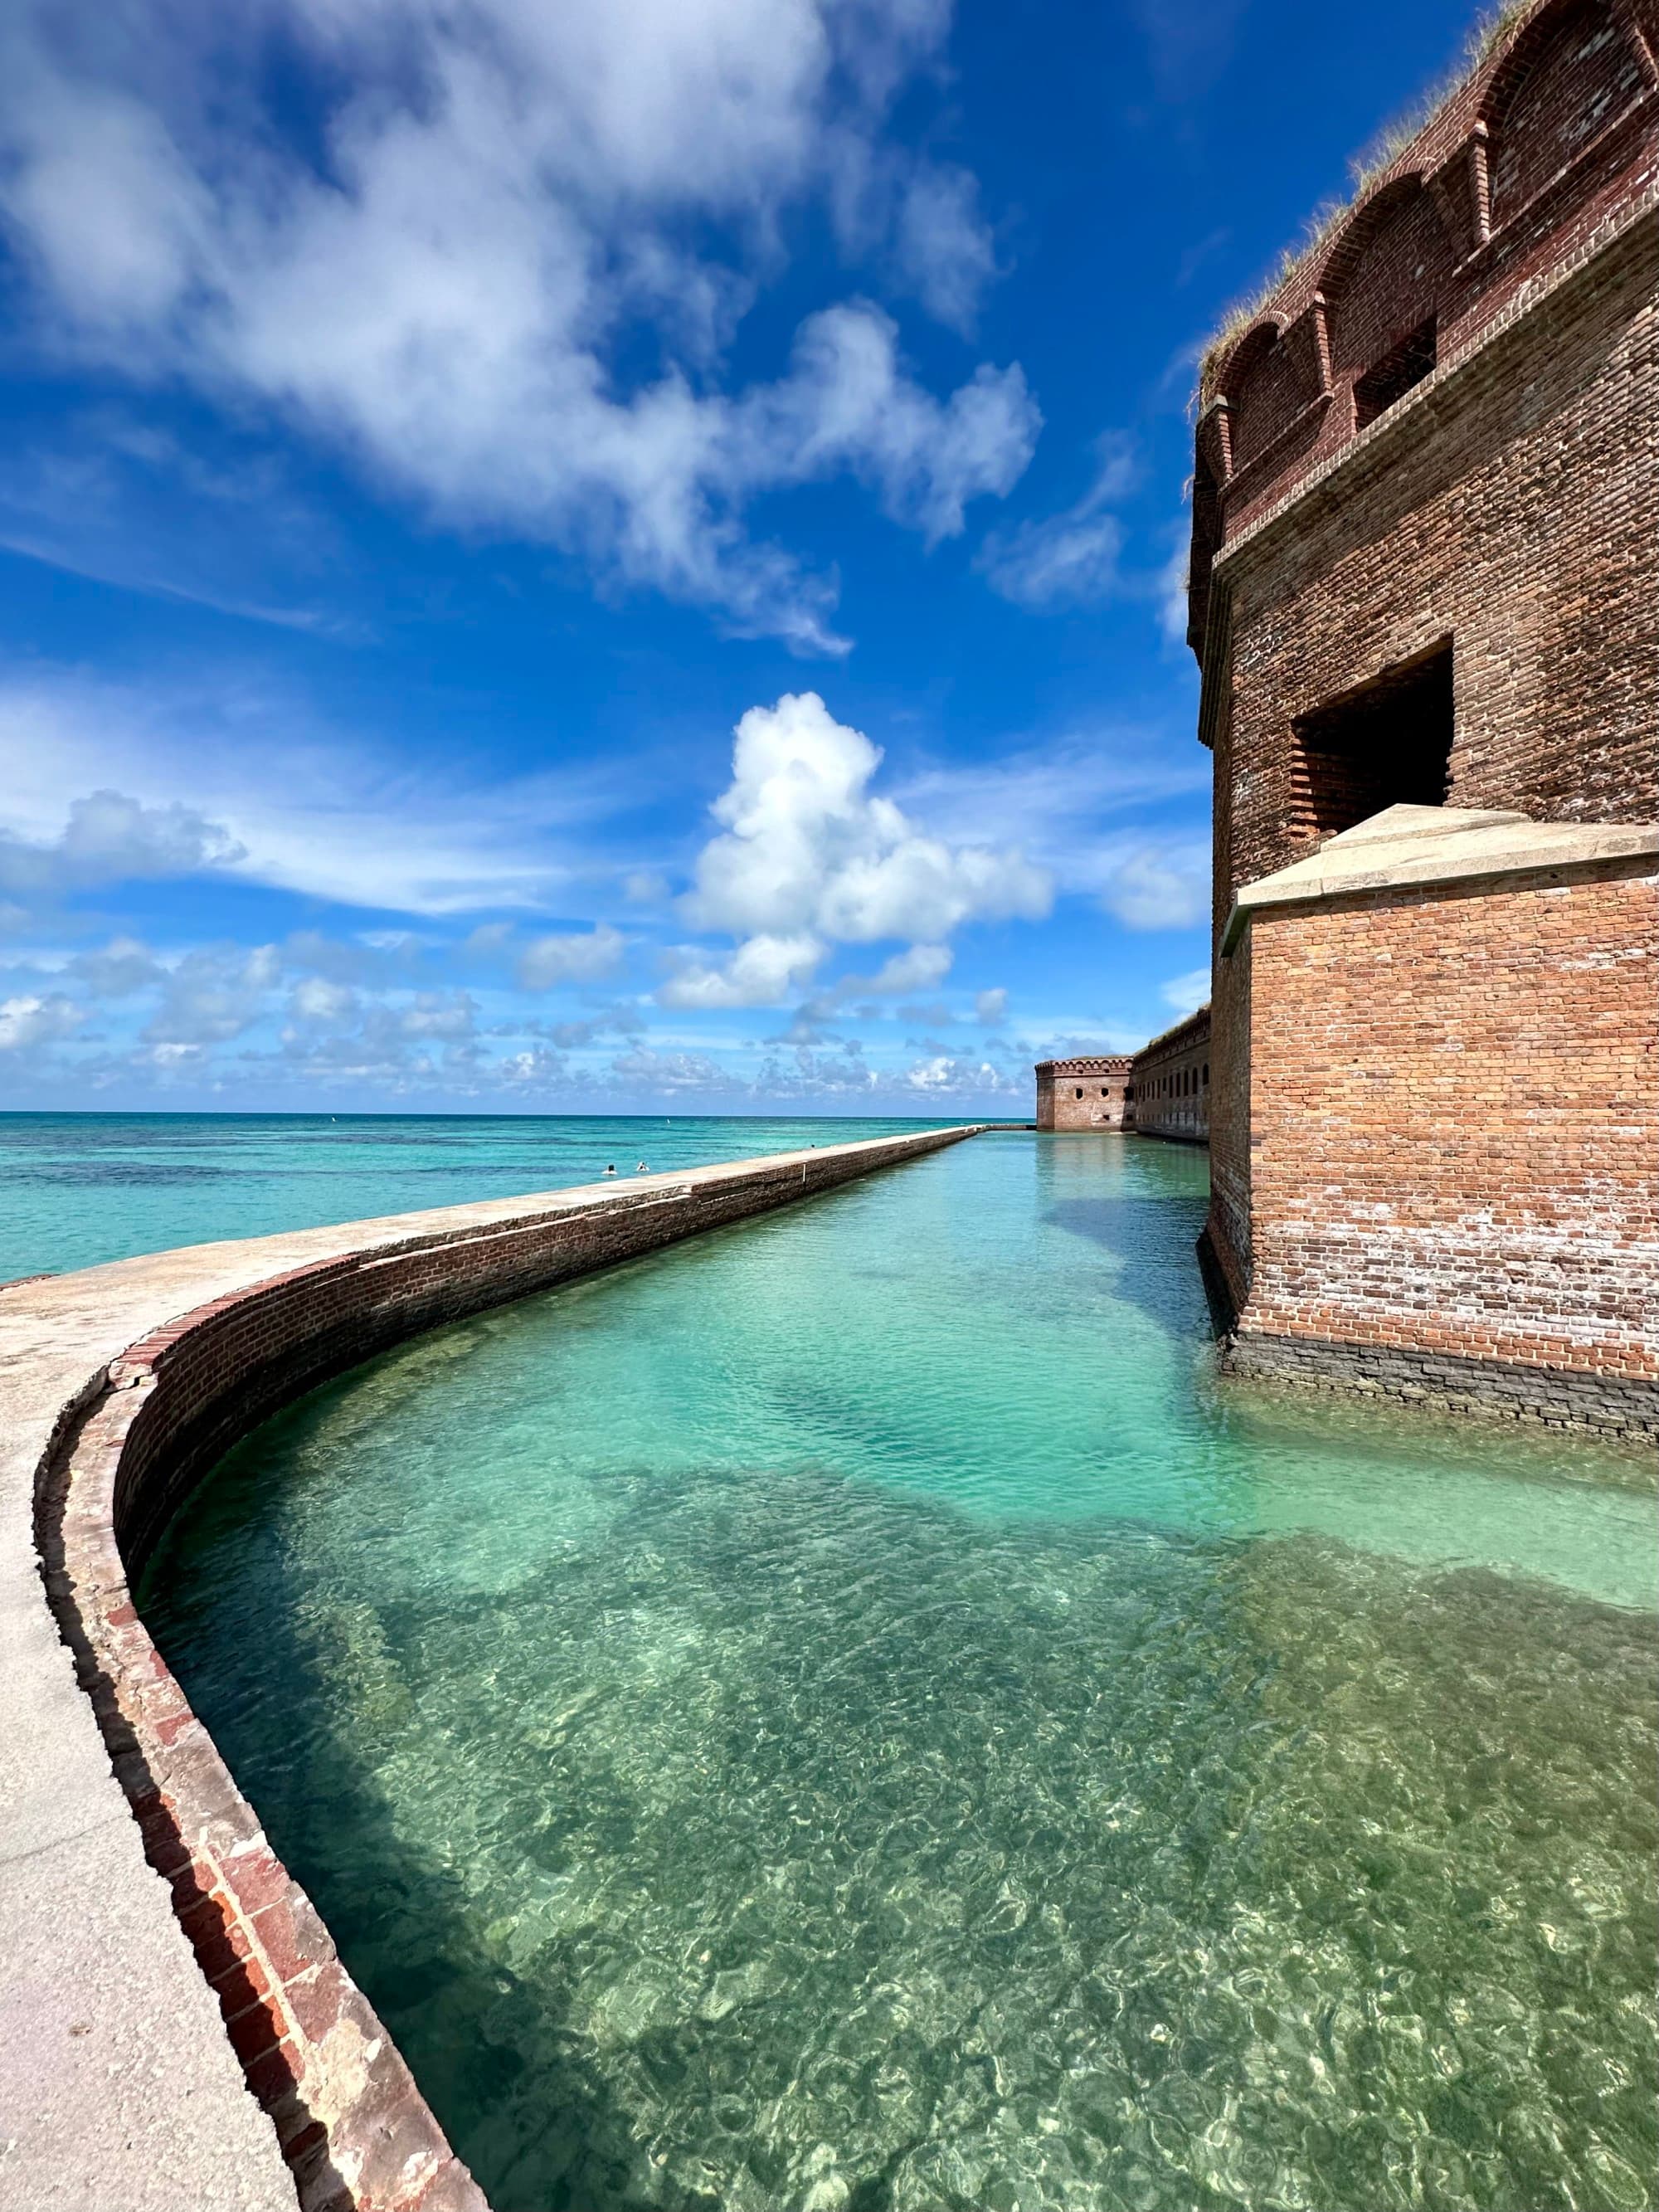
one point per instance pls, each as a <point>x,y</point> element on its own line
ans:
<point>1229,1227</point>
<point>1455,1123</point>
<point>1551,139</point>
<point>1085,1093</point>
<point>1581,75</point>
<point>1172,1082</point>
<point>1511,511</point>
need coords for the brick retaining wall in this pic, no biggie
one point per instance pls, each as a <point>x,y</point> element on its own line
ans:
<point>352,2124</point>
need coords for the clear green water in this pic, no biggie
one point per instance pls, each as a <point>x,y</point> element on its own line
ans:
<point>79,1189</point>
<point>849,1713</point>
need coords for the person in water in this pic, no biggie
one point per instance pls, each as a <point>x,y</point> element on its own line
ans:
<point>610,1167</point>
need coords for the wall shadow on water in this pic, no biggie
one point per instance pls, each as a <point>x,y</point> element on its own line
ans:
<point>1134,1228</point>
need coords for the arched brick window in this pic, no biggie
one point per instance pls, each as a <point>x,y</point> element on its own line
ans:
<point>1571,73</point>
<point>1265,391</point>
<point>1385,280</point>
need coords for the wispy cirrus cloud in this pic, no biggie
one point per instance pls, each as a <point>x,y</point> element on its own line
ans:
<point>1069,559</point>
<point>232,774</point>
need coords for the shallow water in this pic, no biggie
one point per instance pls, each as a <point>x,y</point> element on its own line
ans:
<point>79,1189</point>
<point>849,1713</point>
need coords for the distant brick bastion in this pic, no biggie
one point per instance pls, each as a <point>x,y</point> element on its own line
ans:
<point>127,2066</point>
<point>1161,1090</point>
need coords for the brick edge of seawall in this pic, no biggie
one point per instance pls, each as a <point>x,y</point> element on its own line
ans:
<point>127,1448</point>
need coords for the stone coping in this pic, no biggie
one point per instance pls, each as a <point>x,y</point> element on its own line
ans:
<point>1405,846</point>
<point>161,1962</point>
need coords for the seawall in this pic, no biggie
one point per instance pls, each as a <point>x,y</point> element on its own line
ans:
<point>176,2027</point>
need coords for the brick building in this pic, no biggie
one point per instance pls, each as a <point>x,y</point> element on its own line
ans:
<point>1172,1082</point>
<point>1091,1092</point>
<point>1425,599</point>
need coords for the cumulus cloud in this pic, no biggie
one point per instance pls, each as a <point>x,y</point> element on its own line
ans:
<point>806,1072</point>
<point>669,1071</point>
<point>1069,559</point>
<point>917,969</point>
<point>318,1002</point>
<point>941,1074</point>
<point>444,285</point>
<point>28,1021</point>
<point>583,956</point>
<point>109,838</point>
<point>211,996</point>
<point>807,850</point>
<point>762,972</point>
<point>1160,887</point>
<point>124,967</point>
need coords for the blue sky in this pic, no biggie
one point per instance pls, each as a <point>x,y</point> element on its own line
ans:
<point>595,559</point>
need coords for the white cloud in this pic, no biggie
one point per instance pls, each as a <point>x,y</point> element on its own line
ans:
<point>501,197</point>
<point>991,1008</point>
<point>943,245</point>
<point>211,996</point>
<point>1069,559</point>
<point>582,957</point>
<point>1161,887</point>
<point>318,1002</point>
<point>1052,801</point>
<point>30,1021</point>
<point>122,967</point>
<point>917,969</point>
<point>437,1014</point>
<point>1172,609</point>
<point>236,773</point>
<point>807,849</point>
<point>1187,993</point>
<point>109,838</point>
<point>944,1075</point>
<point>762,972</point>
<point>669,1071</point>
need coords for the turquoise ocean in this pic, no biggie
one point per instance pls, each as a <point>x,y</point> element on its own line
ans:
<point>77,1188</point>
<point>854,1714</point>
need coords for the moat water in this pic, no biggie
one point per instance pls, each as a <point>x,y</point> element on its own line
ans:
<point>849,1713</point>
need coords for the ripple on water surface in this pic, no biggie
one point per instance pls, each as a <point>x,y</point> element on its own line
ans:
<point>848,1714</point>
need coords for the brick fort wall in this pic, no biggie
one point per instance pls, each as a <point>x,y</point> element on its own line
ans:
<point>1091,1091</point>
<point>1503,1039</point>
<point>1425,569</point>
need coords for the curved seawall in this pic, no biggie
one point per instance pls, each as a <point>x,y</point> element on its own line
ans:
<point>125,2061</point>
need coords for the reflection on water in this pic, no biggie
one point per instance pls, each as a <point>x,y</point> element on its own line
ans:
<point>851,1714</point>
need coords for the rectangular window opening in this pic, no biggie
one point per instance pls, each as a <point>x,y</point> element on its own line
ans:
<point>1390,378</point>
<point>1387,743</point>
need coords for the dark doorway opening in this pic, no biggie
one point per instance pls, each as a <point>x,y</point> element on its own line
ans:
<point>1387,743</point>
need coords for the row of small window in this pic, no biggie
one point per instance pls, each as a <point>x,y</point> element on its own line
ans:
<point>1182,1084</point>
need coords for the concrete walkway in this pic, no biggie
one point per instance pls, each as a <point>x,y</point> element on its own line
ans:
<point>118,2089</point>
